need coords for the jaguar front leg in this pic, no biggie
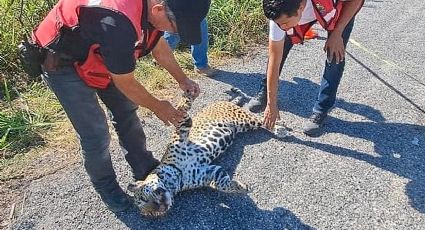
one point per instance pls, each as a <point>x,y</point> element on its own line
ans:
<point>183,128</point>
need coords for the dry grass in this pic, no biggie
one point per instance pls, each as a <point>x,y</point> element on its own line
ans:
<point>60,151</point>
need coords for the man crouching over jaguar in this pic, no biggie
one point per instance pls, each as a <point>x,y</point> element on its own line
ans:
<point>187,161</point>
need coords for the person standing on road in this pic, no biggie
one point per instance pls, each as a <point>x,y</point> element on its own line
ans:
<point>92,47</point>
<point>289,21</point>
<point>199,52</point>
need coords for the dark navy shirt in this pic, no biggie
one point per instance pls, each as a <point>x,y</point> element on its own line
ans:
<point>112,30</point>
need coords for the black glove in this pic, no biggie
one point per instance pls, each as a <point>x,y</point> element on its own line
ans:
<point>31,57</point>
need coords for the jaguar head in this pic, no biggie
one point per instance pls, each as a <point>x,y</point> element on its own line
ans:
<point>151,196</point>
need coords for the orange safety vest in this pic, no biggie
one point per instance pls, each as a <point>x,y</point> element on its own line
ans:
<point>65,14</point>
<point>327,13</point>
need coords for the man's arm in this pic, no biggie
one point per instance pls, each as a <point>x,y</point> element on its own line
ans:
<point>165,57</point>
<point>334,45</point>
<point>349,9</point>
<point>275,58</point>
<point>116,37</point>
<point>135,91</point>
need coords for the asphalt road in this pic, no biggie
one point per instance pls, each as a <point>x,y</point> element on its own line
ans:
<point>367,170</point>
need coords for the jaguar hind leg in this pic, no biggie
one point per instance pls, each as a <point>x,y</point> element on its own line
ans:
<point>280,130</point>
<point>237,187</point>
<point>217,178</point>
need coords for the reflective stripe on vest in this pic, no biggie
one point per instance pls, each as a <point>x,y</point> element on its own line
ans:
<point>327,14</point>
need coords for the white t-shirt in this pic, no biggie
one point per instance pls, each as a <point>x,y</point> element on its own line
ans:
<point>277,34</point>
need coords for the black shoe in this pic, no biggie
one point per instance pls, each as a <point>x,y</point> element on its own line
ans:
<point>314,124</point>
<point>115,198</point>
<point>259,102</point>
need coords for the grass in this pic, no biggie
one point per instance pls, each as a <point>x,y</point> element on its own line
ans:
<point>234,24</point>
<point>23,120</point>
<point>155,78</point>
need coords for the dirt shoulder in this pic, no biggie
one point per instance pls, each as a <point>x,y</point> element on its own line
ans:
<point>60,151</point>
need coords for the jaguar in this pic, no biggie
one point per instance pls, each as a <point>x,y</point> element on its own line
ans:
<point>188,160</point>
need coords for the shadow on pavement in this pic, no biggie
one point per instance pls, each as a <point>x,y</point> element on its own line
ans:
<point>394,142</point>
<point>396,152</point>
<point>216,212</point>
<point>209,209</point>
<point>295,97</point>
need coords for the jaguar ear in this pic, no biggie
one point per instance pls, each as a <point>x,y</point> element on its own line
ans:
<point>135,186</point>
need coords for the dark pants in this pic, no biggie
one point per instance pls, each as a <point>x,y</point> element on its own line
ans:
<point>89,120</point>
<point>331,77</point>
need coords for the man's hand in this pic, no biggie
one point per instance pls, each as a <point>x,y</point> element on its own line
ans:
<point>271,114</point>
<point>165,57</point>
<point>334,47</point>
<point>167,113</point>
<point>190,86</point>
<point>133,90</point>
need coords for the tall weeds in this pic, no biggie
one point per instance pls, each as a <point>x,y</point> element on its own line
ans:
<point>23,120</point>
<point>233,24</point>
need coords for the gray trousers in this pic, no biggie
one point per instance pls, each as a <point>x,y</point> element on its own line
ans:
<point>81,104</point>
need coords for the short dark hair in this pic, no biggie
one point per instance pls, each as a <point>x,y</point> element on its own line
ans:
<point>273,9</point>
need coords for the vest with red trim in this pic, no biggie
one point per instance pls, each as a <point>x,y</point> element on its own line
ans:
<point>327,13</point>
<point>65,14</point>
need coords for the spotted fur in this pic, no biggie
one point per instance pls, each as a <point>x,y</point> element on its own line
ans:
<point>187,163</point>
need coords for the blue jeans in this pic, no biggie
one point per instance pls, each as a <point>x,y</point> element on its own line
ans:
<point>89,120</point>
<point>199,52</point>
<point>331,76</point>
